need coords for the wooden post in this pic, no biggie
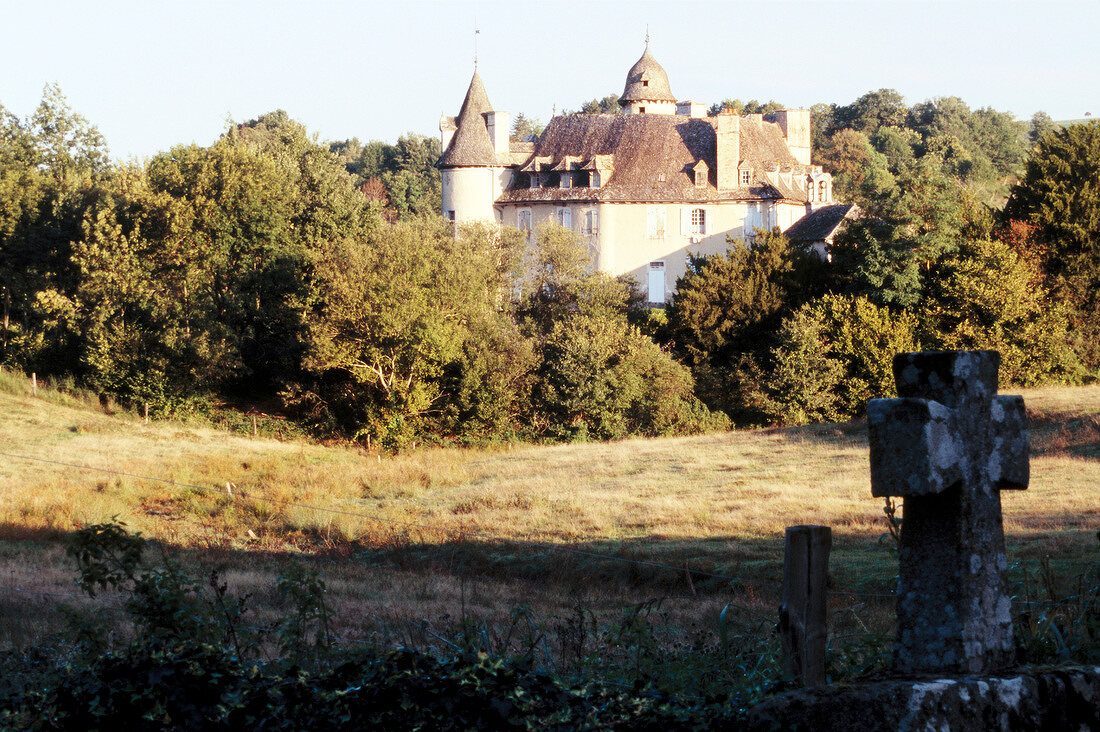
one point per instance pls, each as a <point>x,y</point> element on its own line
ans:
<point>34,384</point>
<point>145,411</point>
<point>253,425</point>
<point>802,614</point>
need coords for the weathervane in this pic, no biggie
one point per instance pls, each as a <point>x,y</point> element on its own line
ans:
<point>476,33</point>
<point>647,36</point>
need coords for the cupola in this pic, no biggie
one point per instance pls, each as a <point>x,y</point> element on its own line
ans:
<point>647,90</point>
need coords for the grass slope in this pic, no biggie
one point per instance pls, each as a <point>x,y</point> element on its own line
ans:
<point>426,541</point>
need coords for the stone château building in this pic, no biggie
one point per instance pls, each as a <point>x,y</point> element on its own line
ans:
<point>645,186</point>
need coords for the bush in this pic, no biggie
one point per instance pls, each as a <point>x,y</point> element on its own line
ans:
<point>862,338</point>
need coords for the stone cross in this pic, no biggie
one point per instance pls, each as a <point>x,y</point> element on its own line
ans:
<point>948,446</point>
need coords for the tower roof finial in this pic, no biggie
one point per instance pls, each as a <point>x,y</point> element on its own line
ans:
<point>647,36</point>
<point>477,32</point>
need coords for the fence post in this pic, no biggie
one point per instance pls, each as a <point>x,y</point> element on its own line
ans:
<point>253,425</point>
<point>802,614</point>
<point>145,411</point>
<point>34,384</point>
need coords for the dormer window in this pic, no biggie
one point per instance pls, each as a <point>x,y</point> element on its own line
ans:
<point>645,82</point>
<point>821,189</point>
<point>700,174</point>
<point>745,175</point>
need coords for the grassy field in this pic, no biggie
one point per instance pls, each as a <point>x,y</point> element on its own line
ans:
<point>575,545</point>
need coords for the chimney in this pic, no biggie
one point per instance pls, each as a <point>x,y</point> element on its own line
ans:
<point>728,137</point>
<point>500,126</point>
<point>795,124</point>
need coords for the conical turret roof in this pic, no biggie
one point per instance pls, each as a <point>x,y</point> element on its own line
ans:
<point>646,82</point>
<point>471,144</point>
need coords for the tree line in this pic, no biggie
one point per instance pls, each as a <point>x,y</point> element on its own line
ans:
<point>271,267</point>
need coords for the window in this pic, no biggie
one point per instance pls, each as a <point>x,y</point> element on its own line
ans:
<point>744,177</point>
<point>821,191</point>
<point>641,110</point>
<point>565,218</point>
<point>450,214</point>
<point>523,219</point>
<point>591,222</point>
<point>566,180</point>
<point>698,221</point>
<point>655,222</point>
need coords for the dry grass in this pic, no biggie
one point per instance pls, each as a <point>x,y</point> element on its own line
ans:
<point>416,539</point>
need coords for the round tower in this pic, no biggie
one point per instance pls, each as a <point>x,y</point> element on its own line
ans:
<point>647,90</point>
<point>469,167</point>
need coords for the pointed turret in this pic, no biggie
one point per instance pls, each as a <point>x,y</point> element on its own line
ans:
<point>475,145</point>
<point>471,144</point>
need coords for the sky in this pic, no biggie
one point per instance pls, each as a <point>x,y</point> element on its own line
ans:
<point>157,73</point>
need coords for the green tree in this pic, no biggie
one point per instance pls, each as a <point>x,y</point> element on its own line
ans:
<point>728,304</point>
<point>49,167</point>
<point>875,109</point>
<point>606,105</point>
<point>985,297</point>
<point>797,384</point>
<point>859,170</point>
<point>1060,196</point>
<point>1040,124</point>
<point>524,127</point>
<point>598,376</point>
<point>398,309</point>
<point>862,338</point>
<point>896,143</point>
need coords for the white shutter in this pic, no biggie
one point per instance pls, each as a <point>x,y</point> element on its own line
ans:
<point>685,221</point>
<point>708,220</point>
<point>567,218</point>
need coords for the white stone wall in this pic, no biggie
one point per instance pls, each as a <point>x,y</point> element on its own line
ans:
<point>624,244</point>
<point>470,192</point>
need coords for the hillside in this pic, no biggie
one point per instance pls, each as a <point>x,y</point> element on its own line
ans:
<point>438,535</point>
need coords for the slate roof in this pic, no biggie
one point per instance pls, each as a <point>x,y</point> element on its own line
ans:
<point>653,158</point>
<point>646,69</point>
<point>471,145</point>
<point>819,225</point>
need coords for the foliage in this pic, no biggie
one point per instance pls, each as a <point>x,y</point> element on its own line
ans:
<point>799,380</point>
<point>1060,196</point>
<point>524,128</point>
<point>399,309</point>
<point>410,183</point>
<point>606,105</point>
<point>985,297</point>
<point>728,304</point>
<point>860,172</point>
<point>979,148</point>
<point>598,376</point>
<point>862,338</point>
<point>736,106</point>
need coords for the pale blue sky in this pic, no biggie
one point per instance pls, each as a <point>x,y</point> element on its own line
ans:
<point>154,74</point>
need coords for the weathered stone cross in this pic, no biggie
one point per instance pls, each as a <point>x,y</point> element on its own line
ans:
<point>948,445</point>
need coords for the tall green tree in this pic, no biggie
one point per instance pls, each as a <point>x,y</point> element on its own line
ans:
<point>1060,196</point>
